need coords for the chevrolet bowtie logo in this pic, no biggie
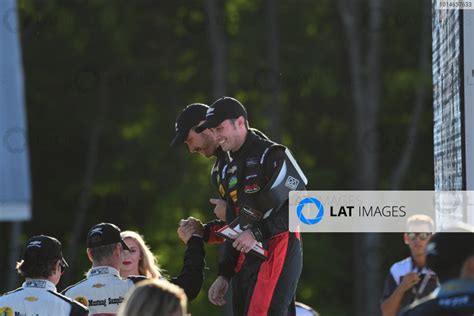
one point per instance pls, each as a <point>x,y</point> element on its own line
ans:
<point>98,285</point>
<point>31,299</point>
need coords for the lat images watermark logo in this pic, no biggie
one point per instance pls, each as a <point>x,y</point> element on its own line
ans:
<point>376,211</point>
<point>307,203</point>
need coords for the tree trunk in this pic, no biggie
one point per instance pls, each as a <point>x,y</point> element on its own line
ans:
<point>412,135</point>
<point>218,47</point>
<point>366,246</point>
<point>350,23</point>
<point>273,50</point>
<point>372,242</point>
<point>15,254</point>
<point>217,42</point>
<point>88,180</point>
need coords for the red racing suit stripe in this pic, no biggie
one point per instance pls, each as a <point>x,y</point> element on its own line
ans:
<point>269,275</point>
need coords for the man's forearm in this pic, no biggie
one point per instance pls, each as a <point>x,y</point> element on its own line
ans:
<point>391,305</point>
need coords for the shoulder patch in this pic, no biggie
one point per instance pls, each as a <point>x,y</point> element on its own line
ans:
<point>76,308</point>
<point>82,300</point>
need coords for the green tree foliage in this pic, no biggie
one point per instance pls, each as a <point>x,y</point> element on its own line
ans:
<point>146,60</point>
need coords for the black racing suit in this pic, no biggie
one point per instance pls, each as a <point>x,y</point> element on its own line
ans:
<point>218,174</point>
<point>217,178</point>
<point>192,274</point>
<point>260,287</point>
<point>454,298</point>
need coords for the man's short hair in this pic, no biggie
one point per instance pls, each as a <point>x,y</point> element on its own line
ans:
<point>102,253</point>
<point>232,121</point>
<point>36,270</point>
<point>418,220</point>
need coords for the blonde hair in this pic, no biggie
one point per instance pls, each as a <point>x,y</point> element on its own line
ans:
<point>420,219</point>
<point>148,264</point>
<point>154,297</point>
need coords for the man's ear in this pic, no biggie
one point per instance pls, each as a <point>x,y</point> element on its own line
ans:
<point>56,267</point>
<point>89,255</point>
<point>241,121</point>
<point>406,240</point>
<point>118,249</point>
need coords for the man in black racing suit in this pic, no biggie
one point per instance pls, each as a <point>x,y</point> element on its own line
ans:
<point>260,287</point>
<point>205,144</point>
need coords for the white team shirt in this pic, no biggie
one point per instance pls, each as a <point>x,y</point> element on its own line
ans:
<point>38,297</point>
<point>102,291</point>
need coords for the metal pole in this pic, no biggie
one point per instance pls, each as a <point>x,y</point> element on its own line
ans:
<point>14,254</point>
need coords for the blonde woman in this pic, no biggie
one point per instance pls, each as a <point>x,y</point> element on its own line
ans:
<point>155,297</point>
<point>141,261</point>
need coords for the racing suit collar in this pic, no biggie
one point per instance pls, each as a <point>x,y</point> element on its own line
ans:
<point>417,269</point>
<point>220,154</point>
<point>244,149</point>
<point>102,270</point>
<point>39,284</point>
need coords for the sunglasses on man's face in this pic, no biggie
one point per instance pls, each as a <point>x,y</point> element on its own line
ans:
<point>422,236</point>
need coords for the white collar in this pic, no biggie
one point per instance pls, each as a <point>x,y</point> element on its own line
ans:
<point>39,284</point>
<point>103,270</point>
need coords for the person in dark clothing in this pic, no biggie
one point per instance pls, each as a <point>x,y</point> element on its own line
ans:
<point>260,287</point>
<point>451,255</point>
<point>410,279</point>
<point>205,144</point>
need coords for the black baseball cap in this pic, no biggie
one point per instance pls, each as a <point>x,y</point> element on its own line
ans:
<point>449,249</point>
<point>104,234</point>
<point>42,248</point>
<point>222,109</point>
<point>191,116</point>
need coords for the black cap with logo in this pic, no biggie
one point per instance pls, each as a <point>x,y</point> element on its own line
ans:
<point>41,249</point>
<point>222,109</point>
<point>449,249</point>
<point>191,116</point>
<point>104,234</point>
